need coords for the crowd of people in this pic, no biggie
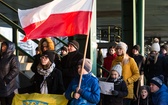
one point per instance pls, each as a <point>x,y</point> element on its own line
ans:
<point>60,74</point>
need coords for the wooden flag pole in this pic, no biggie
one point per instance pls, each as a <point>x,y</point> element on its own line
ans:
<point>84,56</point>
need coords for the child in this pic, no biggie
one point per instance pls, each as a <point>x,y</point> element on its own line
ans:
<point>89,92</point>
<point>144,97</point>
<point>120,88</point>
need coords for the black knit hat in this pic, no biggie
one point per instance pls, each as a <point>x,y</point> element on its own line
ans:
<point>158,81</point>
<point>50,54</point>
<point>87,64</point>
<point>74,43</point>
<point>137,47</point>
<point>64,48</point>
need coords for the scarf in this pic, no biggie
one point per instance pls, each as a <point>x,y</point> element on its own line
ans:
<point>45,73</point>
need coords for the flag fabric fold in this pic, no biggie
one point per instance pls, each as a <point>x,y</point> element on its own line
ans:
<point>57,18</point>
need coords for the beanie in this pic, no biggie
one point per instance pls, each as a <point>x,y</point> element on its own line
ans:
<point>64,48</point>
<point>122,45</point>
<point>118,68</point>
<point>74,43</point>
<point>158,80</point>
<point>87,64</point>
<point>50,54</point>
<point>155,46</point>
<point>137,47</point>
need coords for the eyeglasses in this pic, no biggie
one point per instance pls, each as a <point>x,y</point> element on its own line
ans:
<point>44,57</point>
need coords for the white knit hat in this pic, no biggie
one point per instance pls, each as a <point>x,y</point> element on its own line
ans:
<point>118,68</point>
<point>123,46</point>
<point>155,46</point>
<point>87,64</point>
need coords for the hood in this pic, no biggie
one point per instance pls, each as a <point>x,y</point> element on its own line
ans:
<point>50,44</point>
<point>10,46</point>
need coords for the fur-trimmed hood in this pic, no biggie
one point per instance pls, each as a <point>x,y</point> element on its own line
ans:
<point>50,42</point>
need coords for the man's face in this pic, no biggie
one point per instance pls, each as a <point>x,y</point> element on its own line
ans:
<point>134,51</point>
<point>153,88</point>
<point>71,48</point>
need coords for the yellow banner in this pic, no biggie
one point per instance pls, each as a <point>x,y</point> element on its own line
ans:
<point>39,99</point>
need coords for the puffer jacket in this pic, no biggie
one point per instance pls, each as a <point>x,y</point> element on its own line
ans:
<point>90,90</point>
<point>160,97</point>
<point>9,69</point>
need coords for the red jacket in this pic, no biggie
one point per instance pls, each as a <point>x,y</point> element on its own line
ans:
<point>107,63</point>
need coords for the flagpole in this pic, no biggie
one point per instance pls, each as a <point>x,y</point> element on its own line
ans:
<point>84,56</point>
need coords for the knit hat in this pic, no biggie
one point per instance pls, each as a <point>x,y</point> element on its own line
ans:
<point>122,45</point>
<point>158,80</point>
<point>64,48</point>
<point>50,54</point>
<point>74,43</point>
<point>87,64</point>
<point>155,46</point>
<point>117,68</point>
<point>137,47</point>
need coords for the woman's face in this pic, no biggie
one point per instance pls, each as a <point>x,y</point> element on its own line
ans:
<point>3,48</point>
<point>119,51</point>
<point>111,51</point>
<point>44,46</point>
<point>44,60</point>
<point>144,94</point>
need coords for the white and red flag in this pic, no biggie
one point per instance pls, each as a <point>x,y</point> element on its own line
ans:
<point>57,18</point>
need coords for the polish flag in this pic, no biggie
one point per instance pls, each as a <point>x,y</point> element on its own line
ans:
<point>57,18</point>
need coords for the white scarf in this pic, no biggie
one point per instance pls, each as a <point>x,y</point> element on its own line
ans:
<point>45,73</point>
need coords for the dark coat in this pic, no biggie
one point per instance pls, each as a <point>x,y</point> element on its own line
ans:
<point>122,89</point>
<point>139,59</point>
<point>70,66</point>
<point>9,69</point>
<point>54,82</point>
<point>146,101</point>
<point>152,68</point>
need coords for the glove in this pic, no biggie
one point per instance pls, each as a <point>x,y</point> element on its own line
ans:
<point>114,92</point>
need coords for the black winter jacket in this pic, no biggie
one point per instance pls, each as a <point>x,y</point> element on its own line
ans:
<point>122,89</point>
<point>9,69</point>
<point>54,82</point>
<point>70,66</point>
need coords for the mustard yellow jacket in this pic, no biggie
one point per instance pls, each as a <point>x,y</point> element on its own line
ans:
<point>130,73</point>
